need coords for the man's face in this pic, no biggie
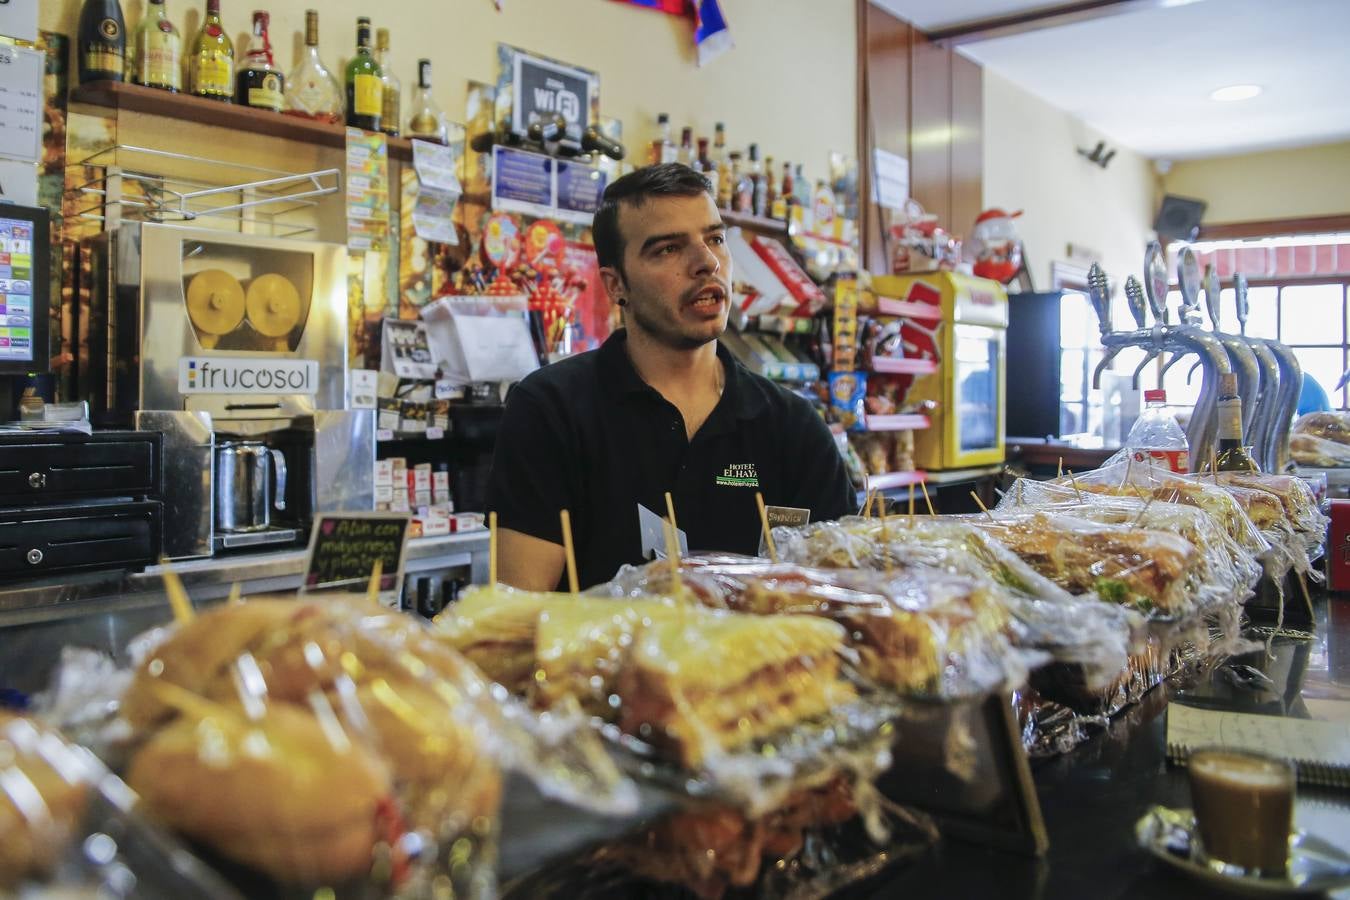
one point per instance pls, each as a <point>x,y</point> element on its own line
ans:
<point>678,269</point>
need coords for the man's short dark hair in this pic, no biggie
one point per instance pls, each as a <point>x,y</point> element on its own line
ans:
<point>633,189</point>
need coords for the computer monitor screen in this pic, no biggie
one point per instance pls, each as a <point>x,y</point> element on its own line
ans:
<point>25,289</point>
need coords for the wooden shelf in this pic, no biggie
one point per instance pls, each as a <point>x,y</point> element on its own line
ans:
<point>759,224</point>
<point>885,366</point>
<point>897,423</point>
<point>887,306</point>
<point>121,95</point>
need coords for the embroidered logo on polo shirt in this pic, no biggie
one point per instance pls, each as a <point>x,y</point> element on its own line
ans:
<point>739,475</point>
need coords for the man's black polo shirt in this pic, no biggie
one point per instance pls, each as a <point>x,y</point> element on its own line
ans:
<point>589,435</point>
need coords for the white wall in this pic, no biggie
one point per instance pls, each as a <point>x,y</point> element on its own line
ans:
<point>1030,163</point>
<point>789,84</point>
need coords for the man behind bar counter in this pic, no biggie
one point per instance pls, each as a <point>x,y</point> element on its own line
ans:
<point>660,406</point>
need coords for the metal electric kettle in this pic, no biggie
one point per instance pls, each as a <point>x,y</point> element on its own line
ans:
<point>245,471</point>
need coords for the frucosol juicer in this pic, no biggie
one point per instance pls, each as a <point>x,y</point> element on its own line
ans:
<point>235,348</point>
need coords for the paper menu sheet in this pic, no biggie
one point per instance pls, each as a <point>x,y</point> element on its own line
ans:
<point>1303,740</point>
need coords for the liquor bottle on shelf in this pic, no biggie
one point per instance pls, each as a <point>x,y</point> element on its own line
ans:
<point>703,163</point>
<point>743,187</point>
<point>757,185</point>
<point>593,140</point>
<point>158,50</point>
<point>726,180</point>
<point>211,65</point>
<point>787,192</point>
<point>719,147</point>
<point>686,152</point>
<point>662,149</point>
<point>311,89</point>
<point>258,83</point>
<point>427,122</point>
<point>770,187</point>
<point>103,41</point>
<point>392,88</point>
<point>1232,456</point>
<point>801,187</point>
<point>365,92</point>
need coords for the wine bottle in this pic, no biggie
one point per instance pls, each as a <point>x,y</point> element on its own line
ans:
<point>311,89</point>
<point>1232,456</point>
<point>258,83</point>
<point>211,66</point>
<point>365,92</point>
<point>157,50</point>
<point>103,41</point>
<point>391,88</point>
<point>427,122</point>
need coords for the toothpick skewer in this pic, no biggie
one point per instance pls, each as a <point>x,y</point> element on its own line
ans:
<point>764,523</point>
<point>492,547</point>
<point>867,504</point>
<point>569,552</point>
<point>927,501</point>
<point>980,503</point>
<point>910,511</point>
<point>373,586</point>
<point>179,601</point>
<point>885,543</point>
<point>1214,466</point>
<point>673,557</point>
<point>1143,512</point>
<point>236,593</point>
<point>1074,481</point>
<point>670,511</point>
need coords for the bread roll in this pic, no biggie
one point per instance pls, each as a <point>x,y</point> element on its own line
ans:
<point>279,795</point>
<point>43,786</point>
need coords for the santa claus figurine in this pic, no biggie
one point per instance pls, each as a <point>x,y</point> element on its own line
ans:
<point>994,243</point>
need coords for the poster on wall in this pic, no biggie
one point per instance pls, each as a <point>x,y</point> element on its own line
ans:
<point>533,88</point>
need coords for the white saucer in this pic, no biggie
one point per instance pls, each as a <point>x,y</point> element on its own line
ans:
<point>1315,866</point>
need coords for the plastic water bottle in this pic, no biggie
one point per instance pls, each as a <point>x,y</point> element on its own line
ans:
<point>1156,438</point>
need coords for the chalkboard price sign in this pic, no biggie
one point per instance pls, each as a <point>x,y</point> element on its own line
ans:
<point>344,547</point>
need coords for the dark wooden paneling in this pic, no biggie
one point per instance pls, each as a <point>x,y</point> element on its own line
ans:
<point>1275,228</point>
<point>883,113</point>
<point>967,177</point>
<point>930,163</point>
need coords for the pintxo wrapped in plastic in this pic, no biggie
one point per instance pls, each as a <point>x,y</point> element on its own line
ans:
<point>1044,616</point>
<point>916,631</point>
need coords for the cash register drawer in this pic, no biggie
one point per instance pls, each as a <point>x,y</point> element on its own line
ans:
<point>42,540</point>
<point>37,468</point>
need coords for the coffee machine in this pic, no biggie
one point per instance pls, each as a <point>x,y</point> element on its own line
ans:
<point>233,346</point>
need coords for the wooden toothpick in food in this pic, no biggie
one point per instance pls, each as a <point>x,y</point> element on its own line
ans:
<point>571,555</point>
<point>927,501</point>
<point>673,558</point>
<point>980,503</point>
<point>670,511</point>
<point>764,523</point>
<point>1143,512</point>
<point>492,548</point>
<point>1074,481</point>
<point>179,601</point>
<point>373,586</point>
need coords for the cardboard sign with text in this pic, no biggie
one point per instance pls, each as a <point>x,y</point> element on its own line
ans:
<point>343,548</point>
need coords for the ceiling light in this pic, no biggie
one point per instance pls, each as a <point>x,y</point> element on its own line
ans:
<point>1235,92</point>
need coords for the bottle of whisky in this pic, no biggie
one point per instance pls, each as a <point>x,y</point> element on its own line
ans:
<point>727,176</point>
<point>663,149</point>
<point>258,83</point>
<point>158,50</point>
<point>743,190</point>
<point>311,89</point>
<point>103,41</point>
<point>1232,456</point>
<point>770,187</point>
<point>211,66</point>
<point>719,147</point>
<point>758,188</point>
<point>685,154</point>
<point>391,87</point>
<point>703,163</point>
<point>787,194</point>
<point>365,91</point>
<point>427,122</point>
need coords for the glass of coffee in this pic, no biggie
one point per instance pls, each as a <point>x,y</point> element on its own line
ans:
<point>1244,810</point>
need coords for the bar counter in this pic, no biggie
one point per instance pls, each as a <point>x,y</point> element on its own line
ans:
<point>104,610</point>
<point>1092,797</point>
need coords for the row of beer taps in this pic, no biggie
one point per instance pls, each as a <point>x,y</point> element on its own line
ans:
<point>1268,374</point>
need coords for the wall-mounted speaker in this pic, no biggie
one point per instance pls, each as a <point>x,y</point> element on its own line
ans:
<point>1179,218</point>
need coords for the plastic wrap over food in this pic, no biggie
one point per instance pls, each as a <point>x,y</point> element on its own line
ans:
<point>1224,572</point>
<point>68,827</point>
<point>333,744</point>
<point>1045,617</point>
<point>1297,501</point>
<point>916,631</point>
<point>708,703</point>
<point>1318,453</point>
<point>1327,426</point>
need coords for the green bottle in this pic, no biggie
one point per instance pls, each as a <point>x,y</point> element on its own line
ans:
<point>365,89</point>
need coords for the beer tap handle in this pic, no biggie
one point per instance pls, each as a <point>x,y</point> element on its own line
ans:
<point>1134,296</point>
<point>1240,294</point>
<point>1188,280</point>
<point>1212,305</point>
<point>1099,293</point>
<point>1155,281</point>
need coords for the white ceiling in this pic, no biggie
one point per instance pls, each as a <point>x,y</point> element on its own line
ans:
<point>1143,77</point>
